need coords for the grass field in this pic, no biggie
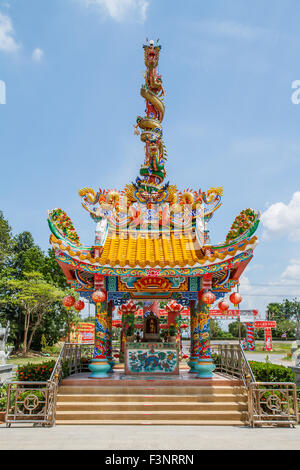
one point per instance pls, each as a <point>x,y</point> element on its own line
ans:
<point>22,361</point>
<point>278,348</point>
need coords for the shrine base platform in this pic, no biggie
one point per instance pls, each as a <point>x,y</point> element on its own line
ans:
<point>183,379</point>
<point>151,400</point>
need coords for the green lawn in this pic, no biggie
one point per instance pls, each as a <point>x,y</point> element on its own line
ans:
<point>22,361</point>
<point>278,348</point>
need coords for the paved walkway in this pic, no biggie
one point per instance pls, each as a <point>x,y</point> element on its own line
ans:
<point>149,438</point>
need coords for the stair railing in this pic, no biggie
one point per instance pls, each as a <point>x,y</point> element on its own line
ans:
<point>35,402</point>
<point>269,403</point>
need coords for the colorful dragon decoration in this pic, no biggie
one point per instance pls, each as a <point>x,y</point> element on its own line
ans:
<point>153,170</point>
<point>150,202</point>
<point>247,221</point>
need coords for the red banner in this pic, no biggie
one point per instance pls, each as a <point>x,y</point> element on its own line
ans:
<point>265,324</point>
<point>83,333</point>
<point>232,313</point>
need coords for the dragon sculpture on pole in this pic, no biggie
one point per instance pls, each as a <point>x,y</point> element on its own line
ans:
<point>153,170</point>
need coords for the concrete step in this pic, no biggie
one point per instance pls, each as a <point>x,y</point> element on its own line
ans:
<point>148,406</point>
<point>139,381</point>
<point>149,390</point>
<point>203,398</point>
<point>119,416</point>
<point>158,422</point>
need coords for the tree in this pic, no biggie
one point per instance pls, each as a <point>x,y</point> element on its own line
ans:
<point>5,242</point>
<point>52,272</point>
<point>26,256</point>
<point>287,317</point>
<point>215,329</point>
<point>21,293</point>
<point>233,328</point>
<point>34,298</point>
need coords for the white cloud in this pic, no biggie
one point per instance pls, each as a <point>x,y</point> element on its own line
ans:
<point>258,295</point>
<point>121,10</point>
<point>7,40</point>
<point>292,272</point>
<point>282,219</point>
<point>37,54</point>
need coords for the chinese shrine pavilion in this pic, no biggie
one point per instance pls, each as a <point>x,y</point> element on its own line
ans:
<point>151,245</point>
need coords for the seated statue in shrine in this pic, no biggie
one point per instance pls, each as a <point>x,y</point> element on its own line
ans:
<point>151,328</point>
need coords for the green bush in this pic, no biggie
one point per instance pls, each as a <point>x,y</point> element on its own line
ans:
<point>267,372</point>
<point>3,395</point>
<point>52,350</point>
<point>172,330</point>
<point>39,372</point>
<point>216,358</point>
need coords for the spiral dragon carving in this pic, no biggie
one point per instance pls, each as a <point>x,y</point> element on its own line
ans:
<point>149,128</point>
<point>151,201</point>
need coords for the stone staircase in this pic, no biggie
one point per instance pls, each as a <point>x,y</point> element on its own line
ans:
<point>223,403</point>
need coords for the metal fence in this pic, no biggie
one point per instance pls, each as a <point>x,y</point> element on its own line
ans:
<point>230,360</point>
<point>273,403</point>
<point>269,403</point>
<point>35,402</point>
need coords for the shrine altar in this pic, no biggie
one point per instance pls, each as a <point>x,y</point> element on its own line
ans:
<point>152,358</point>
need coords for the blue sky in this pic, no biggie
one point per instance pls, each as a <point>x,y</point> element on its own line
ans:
<point>73,69</point>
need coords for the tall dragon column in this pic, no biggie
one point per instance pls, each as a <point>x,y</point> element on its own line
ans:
<point>194,349</point>
<point>109,351</point>
<point>204,367</point>
<point>152,171</point>
<point>99,365</point>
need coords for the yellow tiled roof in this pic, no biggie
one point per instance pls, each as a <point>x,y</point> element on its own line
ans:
<point>145,250</point>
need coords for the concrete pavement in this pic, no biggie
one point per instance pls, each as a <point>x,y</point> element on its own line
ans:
<point>149,438</point>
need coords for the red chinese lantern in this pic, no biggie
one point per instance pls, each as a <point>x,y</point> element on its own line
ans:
<point>184,326</point>
<point>223,305</point>
<point>98,296</point>
<point>235,298</point>
<point>79,305</point>
<point>68,301</point>
<point>208,298</point>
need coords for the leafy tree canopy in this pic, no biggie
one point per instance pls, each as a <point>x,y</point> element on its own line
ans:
<point>5,241</point>
<point>32,285</point>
